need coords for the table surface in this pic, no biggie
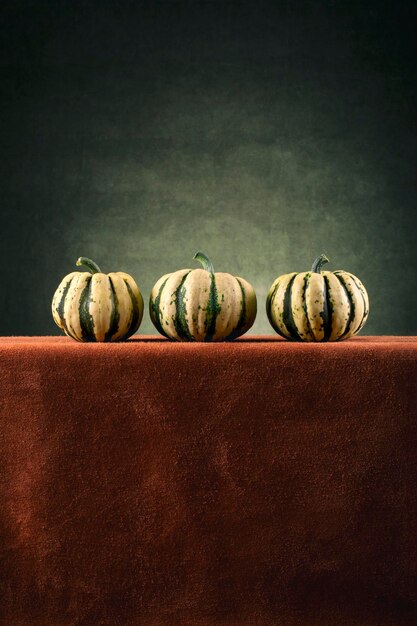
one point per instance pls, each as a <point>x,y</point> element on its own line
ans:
<point>242,343</point>
<point>259,482</point>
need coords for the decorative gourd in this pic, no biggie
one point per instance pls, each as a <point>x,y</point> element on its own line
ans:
<point>200,305</point>
<point>316,305</point>
<point>92,306</point>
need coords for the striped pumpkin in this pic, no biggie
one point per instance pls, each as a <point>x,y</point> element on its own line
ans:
<point>316,305</point>
<point>200,305</point>
<point>92,306</point>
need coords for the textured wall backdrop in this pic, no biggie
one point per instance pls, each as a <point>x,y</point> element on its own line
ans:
<point>137,133</point>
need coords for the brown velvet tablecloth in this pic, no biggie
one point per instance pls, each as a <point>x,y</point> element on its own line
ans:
<point>258,483</point>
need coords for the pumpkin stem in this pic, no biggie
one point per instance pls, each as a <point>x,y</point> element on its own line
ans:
<point>205,262</point>
<point>93,267</point>
<point>321,260</point>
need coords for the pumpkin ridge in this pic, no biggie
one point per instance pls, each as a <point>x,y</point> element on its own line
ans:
<point>72,306</point>
<point>287,316</point>
<point>236,332</point>
<point>269,304</point>
<point>115,316</point>
<point>61,305</point>
<point>365,307</point>
<point>155,312</point>
<point>86,319</point>
<point>135,310</point>
<point>270,297</point>
<point>180,320</point>
<point>351,303</point>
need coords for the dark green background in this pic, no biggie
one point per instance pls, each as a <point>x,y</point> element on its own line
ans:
<point>137,133</point>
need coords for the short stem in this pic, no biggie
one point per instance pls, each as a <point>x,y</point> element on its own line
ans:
<point>93,267</point>
<point>205,262</point>
<point>321,260</point>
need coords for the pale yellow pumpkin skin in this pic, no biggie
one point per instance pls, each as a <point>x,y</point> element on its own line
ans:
<point>98,307</point>
<point>200,305</point>
<point>317,306</point>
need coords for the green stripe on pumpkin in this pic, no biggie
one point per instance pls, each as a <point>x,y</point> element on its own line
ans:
<point>86,320</point>
<point>287,316</point>
<point>365,309</point>
<point>270,299</point>
<point>327,313</point>
<point>115,315</point>
<point>307,277</point>
<point>60,307</point>
<point>155,311</point>
<point>135,310</point>
<point>180,320</point>
<point>269,304</point>
<point>213,309</point>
